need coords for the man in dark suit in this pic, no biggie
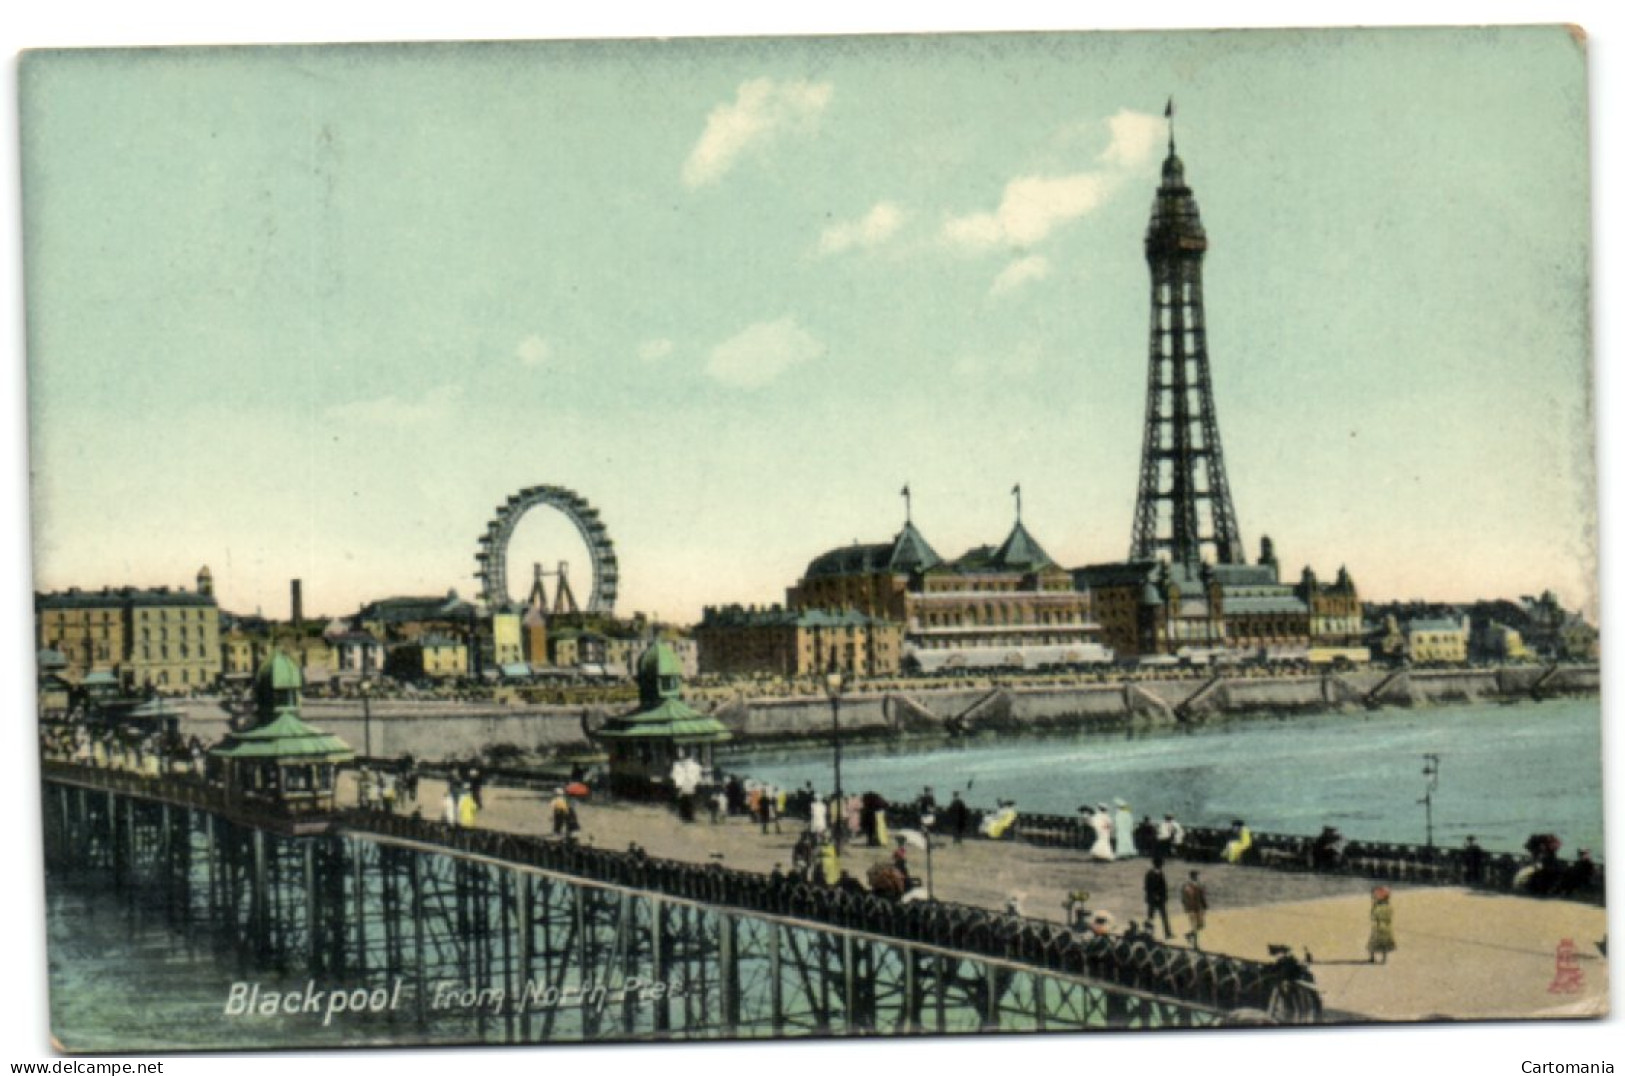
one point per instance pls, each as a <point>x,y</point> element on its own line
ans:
<point>1156,897</point>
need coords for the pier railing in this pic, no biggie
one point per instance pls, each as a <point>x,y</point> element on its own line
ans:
<point>187,790</point>
<point>1415,864</point>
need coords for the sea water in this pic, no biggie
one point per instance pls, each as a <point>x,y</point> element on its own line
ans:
<point>1505,771</point>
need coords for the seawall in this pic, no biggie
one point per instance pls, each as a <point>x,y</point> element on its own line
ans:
<point>445,730</point>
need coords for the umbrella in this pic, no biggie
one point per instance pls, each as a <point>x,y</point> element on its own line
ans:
<point>913,836</point>
<point>576,788</point>
<point>874,801</point>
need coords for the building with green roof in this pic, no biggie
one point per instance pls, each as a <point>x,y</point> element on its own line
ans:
<point>280,762</point>
<point>644,745</point>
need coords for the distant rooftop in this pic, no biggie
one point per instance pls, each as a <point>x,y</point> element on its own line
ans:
<point>1438,624</point>
<point>738,616</point>
<point>120,597</point>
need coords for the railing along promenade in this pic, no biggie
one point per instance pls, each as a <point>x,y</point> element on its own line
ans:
<point>1135,968</point>
<point>1416,864</point>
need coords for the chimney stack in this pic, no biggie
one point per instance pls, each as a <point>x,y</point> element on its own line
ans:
<point>298,600</point>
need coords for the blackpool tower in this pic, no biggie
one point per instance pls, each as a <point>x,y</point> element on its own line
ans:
<point>1183,510</point>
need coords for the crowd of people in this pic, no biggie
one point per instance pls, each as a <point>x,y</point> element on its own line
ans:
<point>152,753</point>
<point>387,787</point>
<point>832,825</point>
<point>835,824</point>
<point>1116,835</point>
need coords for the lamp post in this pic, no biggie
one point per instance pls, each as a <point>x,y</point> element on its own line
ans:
<point>366,718</point>
<point>1430,770</point>
<point>832,684</point>
<point>926,822</point>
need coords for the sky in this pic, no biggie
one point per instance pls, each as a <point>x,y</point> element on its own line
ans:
<point>314,312</point>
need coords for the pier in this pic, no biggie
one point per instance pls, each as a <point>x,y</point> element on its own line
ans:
<point>481,935</point>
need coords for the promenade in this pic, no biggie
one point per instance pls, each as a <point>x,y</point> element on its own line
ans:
<point>1463,954</point>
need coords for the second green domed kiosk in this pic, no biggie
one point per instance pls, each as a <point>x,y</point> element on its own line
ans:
<point>644,745</point>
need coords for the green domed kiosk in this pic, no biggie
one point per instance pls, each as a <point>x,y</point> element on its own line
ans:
<point>281,761</point>
<point>643,745</point>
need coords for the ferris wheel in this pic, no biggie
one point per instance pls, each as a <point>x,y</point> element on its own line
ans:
<point>493,552</point>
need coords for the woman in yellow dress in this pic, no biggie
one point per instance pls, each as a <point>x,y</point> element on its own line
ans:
<point>1240,843</point>
<point>1381,942</point>
<point>830,862</point>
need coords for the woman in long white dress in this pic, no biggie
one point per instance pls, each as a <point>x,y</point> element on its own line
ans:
<point>1101,820</point>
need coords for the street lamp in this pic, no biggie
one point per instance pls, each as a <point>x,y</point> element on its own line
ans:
<point>832,684</point>
<point>366,718</point>
<point>1430,770</point>
<point>926,822</point>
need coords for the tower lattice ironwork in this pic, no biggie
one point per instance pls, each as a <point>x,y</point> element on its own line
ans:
<point>1184,508</point>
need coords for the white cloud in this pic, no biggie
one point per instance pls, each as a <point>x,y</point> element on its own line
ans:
<point>758,112</point>
<point>761,353</point>
<point>1032,207</point>
<point>1021,271</point>
<point>869,230</point>
<point>533,350</point>
<point>1134,141</point>
<point>655,350</point>
<point>391,410</point>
